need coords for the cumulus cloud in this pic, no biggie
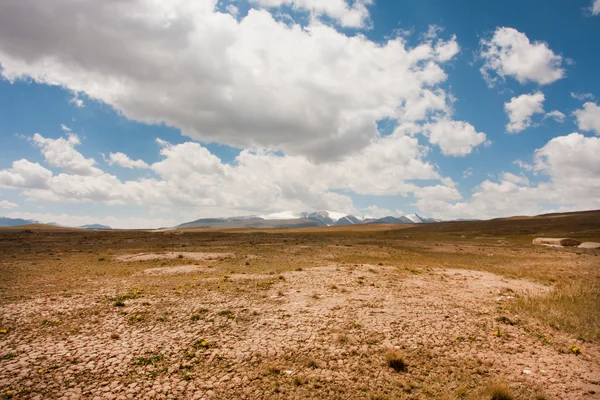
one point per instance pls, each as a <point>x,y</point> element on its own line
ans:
<point>588,118</point>
<point>571,168</point>
<point>455,138</point>
<point>8,204</point>
<point>254,83</point>
<point>188,175</point>
<point>521,109</point>
<point>61,153</point>
<point>123,160</point>
<point>511,53</point>
<point>25,174</point>
<point>445,51</point>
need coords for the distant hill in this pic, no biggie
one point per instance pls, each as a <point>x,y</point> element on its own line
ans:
<point>95,226</point>
<point>4,221</point>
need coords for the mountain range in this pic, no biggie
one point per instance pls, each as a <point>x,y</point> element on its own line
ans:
<point>284,219</point>
<point>301,220</point>
<point>5,221</point>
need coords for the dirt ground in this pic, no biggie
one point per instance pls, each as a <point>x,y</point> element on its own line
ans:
<point>217,315</point>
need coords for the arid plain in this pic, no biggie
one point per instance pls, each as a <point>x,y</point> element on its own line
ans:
<point>462,310</point>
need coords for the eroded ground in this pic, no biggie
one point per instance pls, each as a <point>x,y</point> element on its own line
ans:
<point>279,316</point>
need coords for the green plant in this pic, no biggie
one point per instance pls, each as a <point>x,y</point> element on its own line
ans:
<point>227,314</point>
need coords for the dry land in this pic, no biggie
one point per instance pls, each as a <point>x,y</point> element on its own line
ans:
<point>466,310</point>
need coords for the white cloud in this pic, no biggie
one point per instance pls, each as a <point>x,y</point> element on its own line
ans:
<point>521,109</point>
<point>446,51</point>
<point>189,176</point>
<point>61,153</point>
<point>75,100</point>
<point>376,212</point>
<point>65,128</point>
<point>516,179</point>
<point>25,174</point>
<point>455,138</point>
<point>124,161</point>
<point>556,115</point>
<point>233,10</point>
<point>510,53</point>
<point>588,118</point>
<point>467,173</point>
<point>8,204</point>
<point>258,82</point>
<point>572,168</point>
<point>596,7</point>
<point>355,16</point>
<point>582,96</point>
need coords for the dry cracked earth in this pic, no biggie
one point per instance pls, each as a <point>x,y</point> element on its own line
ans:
<point>175,325</point>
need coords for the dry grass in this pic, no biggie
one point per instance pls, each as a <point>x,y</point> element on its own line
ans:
<point>498,391</point>
<point>573,306</point>
<point>62,264</point>
<point>395,361</point>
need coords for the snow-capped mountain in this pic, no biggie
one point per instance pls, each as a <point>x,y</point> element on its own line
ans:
<point>289,219</point>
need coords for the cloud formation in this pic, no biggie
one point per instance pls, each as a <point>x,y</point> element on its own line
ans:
<point>521,109</point>
<point>588,118</point>
<point>254,83</point>
<point>569,171</point>
<point>8,204</point>
<point>124,161</point>
<point>188,175</point>
<point>511,53</point>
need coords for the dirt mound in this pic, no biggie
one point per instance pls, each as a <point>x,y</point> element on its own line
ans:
<point>556,242</point>
<point>172,256</point>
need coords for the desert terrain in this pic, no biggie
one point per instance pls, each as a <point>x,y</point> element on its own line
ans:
<point>461,310</point>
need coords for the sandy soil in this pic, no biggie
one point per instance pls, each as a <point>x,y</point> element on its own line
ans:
<point>172,255</point>
<point>317,333</point>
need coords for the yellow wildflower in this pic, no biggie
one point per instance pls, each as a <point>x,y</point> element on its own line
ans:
<point>575,349</point>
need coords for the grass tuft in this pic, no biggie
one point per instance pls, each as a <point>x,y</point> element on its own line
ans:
<point>395,361</point>
<point>498,391</point>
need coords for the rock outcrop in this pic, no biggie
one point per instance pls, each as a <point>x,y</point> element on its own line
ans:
<point>589,245</point>
<point>562,242</point>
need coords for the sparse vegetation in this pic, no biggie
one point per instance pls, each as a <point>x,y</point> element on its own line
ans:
<point>498,391</point>
<point>395,361</point>
<point>227,314</point>
<point>267,332</point>
<point>151,359</point>
<point>572,306</point>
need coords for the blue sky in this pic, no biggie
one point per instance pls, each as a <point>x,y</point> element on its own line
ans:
<point>463,109</point>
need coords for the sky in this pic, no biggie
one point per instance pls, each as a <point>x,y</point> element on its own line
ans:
<point>146,113</point>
